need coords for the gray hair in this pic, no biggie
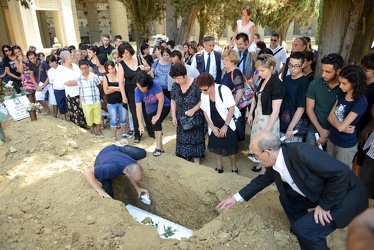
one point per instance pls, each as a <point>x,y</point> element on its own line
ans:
<point>208,39</point>
<point>114,52</point>
<point>179,48</point>
<point>134,169</point>
<point>269,142</point>
<point>63,55</point>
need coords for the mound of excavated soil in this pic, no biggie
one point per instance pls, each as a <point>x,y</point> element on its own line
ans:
<point>46,203</point>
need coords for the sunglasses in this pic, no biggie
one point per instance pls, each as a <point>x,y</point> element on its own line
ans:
<point>274,40</point>
<point>6,50</point>
<point>264,59</point>
<point>331,58</point>
<point>16,47</point>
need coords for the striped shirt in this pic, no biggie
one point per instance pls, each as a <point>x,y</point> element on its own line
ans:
<point>370,144</point>
<point>88,90</point>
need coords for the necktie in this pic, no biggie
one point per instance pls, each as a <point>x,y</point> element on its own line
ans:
<point>207,64</point>
<point>242,62</point>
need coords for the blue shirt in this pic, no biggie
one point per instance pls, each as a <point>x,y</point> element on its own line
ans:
<point>343,107</point>
<point>161,73</point>
<point>150,99</point>
<point>111,162</point>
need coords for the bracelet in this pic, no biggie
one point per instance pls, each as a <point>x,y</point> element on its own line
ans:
<point>227,125</point>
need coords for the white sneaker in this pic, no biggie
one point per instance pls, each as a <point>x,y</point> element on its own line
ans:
<point>126,136</point>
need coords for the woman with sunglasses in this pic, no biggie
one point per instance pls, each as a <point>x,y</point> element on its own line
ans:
<point>267,102</point>
<point>219,108</point>
<point>12,73</point>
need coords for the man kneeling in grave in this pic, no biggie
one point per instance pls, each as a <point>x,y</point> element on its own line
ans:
<point>115,160</point>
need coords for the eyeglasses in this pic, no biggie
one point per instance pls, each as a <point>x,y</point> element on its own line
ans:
<point>204,89</point>
<point>274,40</point>
<point>291,66</point>
<point>258,155</point>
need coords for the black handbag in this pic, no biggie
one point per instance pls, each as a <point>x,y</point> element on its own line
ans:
<point>191,122</point>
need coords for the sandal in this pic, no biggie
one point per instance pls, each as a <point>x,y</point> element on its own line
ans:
<point>137,138</point>
<point>255,169</point>
<point>130,132</point>
<point>219,170</point>
<point>158,152</point>
<point>235,171</point>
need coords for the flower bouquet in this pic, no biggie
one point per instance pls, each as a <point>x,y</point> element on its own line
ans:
<point>32,108</point>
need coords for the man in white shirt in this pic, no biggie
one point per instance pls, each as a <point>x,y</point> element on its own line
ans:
<point>278,51</point>
<point>176,57</point>
<point>306,177</point>
<point>209,60</point>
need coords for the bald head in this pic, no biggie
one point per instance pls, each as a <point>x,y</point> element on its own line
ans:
<point>134,171</point>
<point>266,140</point>
<point>265,146</point>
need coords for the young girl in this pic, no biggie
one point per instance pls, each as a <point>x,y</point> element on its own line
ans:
<point>348,109</point>
<point>247,26</point>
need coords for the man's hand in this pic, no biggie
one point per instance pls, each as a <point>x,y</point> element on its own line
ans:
<point>141,190</point>
<point>225,205</point>
<point>103,194</point>
<point>322,216</point>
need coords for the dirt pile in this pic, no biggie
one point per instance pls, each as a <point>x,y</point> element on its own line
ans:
<point>45,202</point>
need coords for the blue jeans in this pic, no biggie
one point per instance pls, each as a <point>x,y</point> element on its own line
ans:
<point>115,110</point>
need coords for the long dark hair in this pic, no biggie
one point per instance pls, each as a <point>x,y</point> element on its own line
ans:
<point>356,76</point>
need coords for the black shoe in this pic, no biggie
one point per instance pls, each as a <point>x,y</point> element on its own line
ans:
<point>255,169</point>
<point>219,170</point>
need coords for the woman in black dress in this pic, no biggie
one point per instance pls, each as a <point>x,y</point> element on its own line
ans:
<point>127,69</point>
<point>185,100</point>
<point>219,108</point>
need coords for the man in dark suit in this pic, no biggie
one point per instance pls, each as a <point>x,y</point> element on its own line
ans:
<point>306,177</point>
<point>209,60</point>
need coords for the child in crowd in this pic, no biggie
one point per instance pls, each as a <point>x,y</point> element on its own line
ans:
<point>349,107</point>
<point>90,97</point>
<point>245,25</point>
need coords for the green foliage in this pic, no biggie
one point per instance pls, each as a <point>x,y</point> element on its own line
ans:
<point>144,13</point>
<point>168,231</point>
<point>276,14</point>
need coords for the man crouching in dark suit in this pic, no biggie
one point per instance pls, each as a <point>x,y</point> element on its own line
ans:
<point>306,177</point>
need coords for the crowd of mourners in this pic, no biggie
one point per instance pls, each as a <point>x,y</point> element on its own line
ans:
<point>210,85</point>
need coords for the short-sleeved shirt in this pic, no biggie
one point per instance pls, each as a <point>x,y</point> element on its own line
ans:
<point>88,90</point>
<point>161,73</point>
<point>111,162</point>
<point>294,98</point>
<point>106,51</point>
<point>342,109</point>
<point>324,98</point>
<point>12,66</point>
<point>43,71</point>
<point>34,68</point>
<point>55,79</point>
<point>273,90</point>
<point>150,99</point>
<point>366,117</point>
<point>233,80</point>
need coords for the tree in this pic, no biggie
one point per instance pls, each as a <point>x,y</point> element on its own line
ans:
<point>278,15</point>
<point>143,14</point>
<point>346,27</point>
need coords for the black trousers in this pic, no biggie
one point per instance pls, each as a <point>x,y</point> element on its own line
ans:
<point>132,106</point>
